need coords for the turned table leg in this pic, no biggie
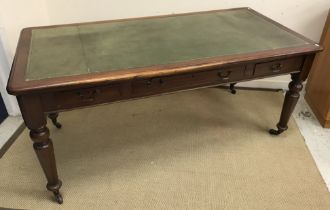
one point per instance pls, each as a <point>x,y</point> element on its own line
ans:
<point>292,95</point>
<point>35,119</point>
<point>290,101</point>
<point>53,117</point>
<point>43,146</point>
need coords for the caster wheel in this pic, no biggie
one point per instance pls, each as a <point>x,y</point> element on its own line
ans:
<point>275,132</point>
<point>58,198</point>
<point>58,125</point>
<point>232,88</point>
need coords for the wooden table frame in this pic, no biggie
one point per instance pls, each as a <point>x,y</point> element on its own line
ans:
<point>39,98</point>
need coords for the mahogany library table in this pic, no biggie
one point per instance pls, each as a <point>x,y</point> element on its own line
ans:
<point>64,67</point>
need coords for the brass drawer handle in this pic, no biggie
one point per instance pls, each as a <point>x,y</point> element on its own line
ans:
<point>276,67</point>
<point>89,95</point>
<point>224,75</point>
<point>150,81</point>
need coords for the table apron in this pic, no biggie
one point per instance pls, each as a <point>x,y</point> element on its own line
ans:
<point>142,87</point>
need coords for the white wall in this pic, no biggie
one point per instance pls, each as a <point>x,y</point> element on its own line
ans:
<point>304,16</point>
<point>10,101</point>
<point>17,14</point>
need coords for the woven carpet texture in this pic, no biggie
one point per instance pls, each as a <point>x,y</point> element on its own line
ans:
<point>201,149</point>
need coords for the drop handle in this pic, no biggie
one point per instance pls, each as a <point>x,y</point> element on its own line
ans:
<point>150,81</point>
<point>224,75</point>
<point>276,67</point>
<point>88,95</point>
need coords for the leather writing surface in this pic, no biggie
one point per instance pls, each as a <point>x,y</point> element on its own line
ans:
<point>99,47</point>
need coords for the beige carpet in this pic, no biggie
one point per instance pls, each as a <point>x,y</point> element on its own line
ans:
<point>203,149</point>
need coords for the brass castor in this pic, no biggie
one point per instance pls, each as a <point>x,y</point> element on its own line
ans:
<point>275,132</point>
<point>232,88</point>
<point>58,197</point>
<point>53,117</point>
<point>278,131</point>
<point>55,188</point>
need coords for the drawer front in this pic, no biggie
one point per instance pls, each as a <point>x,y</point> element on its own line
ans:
<point>85,96</point>
<point>163,84</point>
<point>278,66</point>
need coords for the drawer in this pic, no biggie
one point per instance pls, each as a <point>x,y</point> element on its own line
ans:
<point>85,96</point>
<point>162,84</point>
<point>279,66</point>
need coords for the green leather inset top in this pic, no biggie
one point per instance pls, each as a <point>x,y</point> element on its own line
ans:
<point>88,48</point>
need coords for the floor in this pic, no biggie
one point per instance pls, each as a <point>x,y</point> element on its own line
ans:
<point>192,150</point>
<point>317,138</point>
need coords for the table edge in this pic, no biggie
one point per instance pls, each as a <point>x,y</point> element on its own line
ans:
<point>17,85</point>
